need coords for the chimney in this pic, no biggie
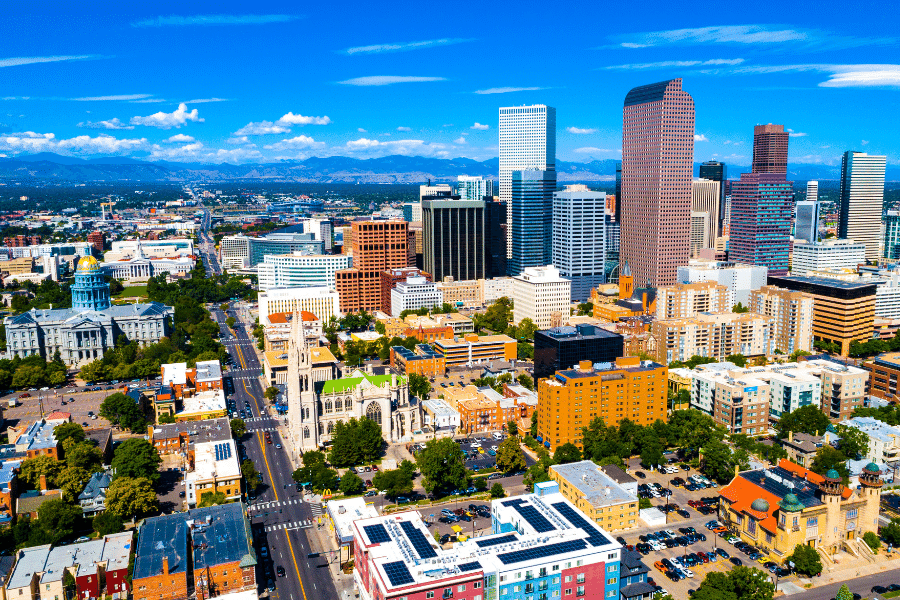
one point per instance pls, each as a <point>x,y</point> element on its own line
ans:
<point>790,436</point>
<point>44,486</point>
<point>165,565</point>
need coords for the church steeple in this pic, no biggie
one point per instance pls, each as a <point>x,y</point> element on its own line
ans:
<point>302,413</point>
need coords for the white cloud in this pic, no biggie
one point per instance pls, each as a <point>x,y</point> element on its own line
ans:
<point>404,46</point>
<point>102,144</point>
<point>296,143</point>
<point>109,124</point>
<point>737,143</point>
<point>700,137</point>
<point>388,80</point>
<point>593,150</point>
<point>372,148</point>
<point>792,133</point>
<point>237,155</point>
<point>460,140</point>
<point>506,90</point>
<point>28,141</point>
<point>149,101</point>
<point>666,64</point>
<point>115,98</point>
<point>205,100</point>
<point>32,60</point>
<point>183,152</point>
<point>839,76</point>
<point>292,119</point>
<point>864,142</point>
<point>480,127</point>
<point>402,128</point>
<point>181,21</point>
<point>180,137</point>
<point>261,128</point>
<point>162,120</point>
<point>729,34</point>
<point>361,130</point>
<point>238,140</point>
<point>580,131</point>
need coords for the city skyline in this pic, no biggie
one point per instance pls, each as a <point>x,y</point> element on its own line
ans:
<point>212,84</point>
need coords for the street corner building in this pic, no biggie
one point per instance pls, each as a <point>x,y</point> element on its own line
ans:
<point>82,334</point>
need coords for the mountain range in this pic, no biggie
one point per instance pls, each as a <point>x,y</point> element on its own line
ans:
<point>332,169</point>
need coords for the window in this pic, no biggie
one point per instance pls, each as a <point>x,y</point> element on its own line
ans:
<point>569,592</point>
<point>580,591</point>
<point>611,569</point>
<point>580,578</point>
<point>429,594</point>
<point>460,588</point>
<point>611,581</point>
<point>477,585</point>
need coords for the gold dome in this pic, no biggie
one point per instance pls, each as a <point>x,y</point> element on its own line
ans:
<point>88,263</point>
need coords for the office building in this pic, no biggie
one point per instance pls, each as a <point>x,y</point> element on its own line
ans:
<point>843,387</point>
<point>284,243</point>
<point>689,299</point>
<point>812,191</point>
<point>167,248</point>
<point>705,219</point>
<point>892,235</point>
<point>627,389</point>
<point>471,349</point>
<point>713,170</point>
<point>474,188</point>
<point>779,508</point>
<point>656,181</point>
<point>391,277</point>
<point>884,371</point>
<point>530,220</point>
<point>827,254</point>
<point>579,238</point>
<point>438,189</point>
<point>215,468</point>
<point>321,301</point>
<point>597,495</point>
<point>234,252</point>
<point>713,335</point>
<point>843,311</point>
<point>564,347</point>
<point>761,212</point>
<point>618,202</point>
<point>496,211</point>
<point>793,314</point>
<point>527,142</point>
<point>413,294</point>
<point>377,246</point>
<point>542,295</point>
<point>299,270</point>
<point>862,200</point>
<point>740,279</point>
<point>412,212</point>
<point>806,221</point>
<point>540,544</point>
<point>770,149</point>
<point>97,239</point>
<point>455,236</point>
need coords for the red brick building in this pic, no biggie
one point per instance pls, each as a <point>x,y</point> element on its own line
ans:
<point>97,240</point>
<point>377,246</point>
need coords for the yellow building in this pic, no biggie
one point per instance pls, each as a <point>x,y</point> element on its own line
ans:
<point>631,389</point>
<point>778,508</point>
<point>324,365</point>
<point>597,495</point>
<point>473,349</point>
<point>713,335</point>
<point>215,469</point>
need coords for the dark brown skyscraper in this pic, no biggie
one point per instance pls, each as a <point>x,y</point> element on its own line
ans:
<point>770,149</point>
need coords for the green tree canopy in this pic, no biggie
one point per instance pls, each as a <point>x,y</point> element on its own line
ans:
<point>238,428</point>
<point>71,482</point>
<point>212,499</point>
<point>806,419</point>
<point>352,484</point>
<point>854,441</point>
<point>567,453</point>
<point>442,466</point>
<point>806,560</point>
<point>512,429</point>
<point>355,442</point>
<point>740,583</point>
<point>317,475</point>
<point>891,532</point>
<point>526,381</point>
<point>719,461</point>
<point>107,523</point>
<point>33,468</point>
<point>510,456</point>
<point>66,431</point>
<point>396,482</point>
<point>830,458</point>
<point>131,496</point>
<point>419,386</point>
<point>738,359</point>
<point>136,458</point>
<point>120,409</point>
<point>250,474</point>
<point>60,519</point>
<point>497,491</point>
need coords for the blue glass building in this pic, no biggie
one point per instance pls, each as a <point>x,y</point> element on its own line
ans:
<point>531,220</point>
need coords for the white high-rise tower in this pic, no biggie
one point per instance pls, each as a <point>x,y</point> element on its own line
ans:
<point>862,200</point>
<point>301,397</point>
<point>812,191</point>
<point>527,142</point>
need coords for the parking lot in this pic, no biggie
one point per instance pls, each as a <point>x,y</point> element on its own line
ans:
<point>82,402</point>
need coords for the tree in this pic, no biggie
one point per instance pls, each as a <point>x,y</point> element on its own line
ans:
<point>534,424</point>
<point>230,321</point>
<point>738,359</point>
<point>585,309</point>
<point>510,457</point>
<point>395,482</point>
<point>71,481</point>
<point>719,461</point>
<point>317,475</point>
<point>67,431</point>
<point>526,382</point>
<point>479,483</point>
<point>512,429</point>
<point>680,400</point>
<point>806,560</point>
<point>891,532</point>
<point>251,475</point>
<point>33,468</point>
<point>871,538</point>
<point>355,442</point>
<point>740,308</point>
<point>740,583</point>
<point>651,453</point>
<point>271,393</point>
<point>828,458</point>
<point>107,523</point>
<point>238,428</point>
<point>644,503</point>
<point>844,593</point>
<point>497,491</point>
<point>524,351</point>
<point>212,499</point>
<point>797,354</point>
<point>567,453</point>
<point>59,518</point>
<point>136,458</point>
<point>131,496</point>
<point>419,386</point>
<point>351,484</point>
<point>84,455</point>
<point>120,409</point>
<point>443,467</point>
<point>223,307</point>
<point>806,419</point>
<point>165,418</point>
<point>526,329</point>
<point>380,328</point>
<point>854,441</point>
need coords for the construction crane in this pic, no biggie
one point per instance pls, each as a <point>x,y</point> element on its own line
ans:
<point>103,206</point>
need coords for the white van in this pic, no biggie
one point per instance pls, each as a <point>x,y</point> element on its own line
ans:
<point>497,436</point>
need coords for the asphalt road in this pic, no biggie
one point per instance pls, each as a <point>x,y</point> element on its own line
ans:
<point>280,516</point>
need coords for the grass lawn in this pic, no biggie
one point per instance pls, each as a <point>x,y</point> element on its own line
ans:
<point>134,291</point>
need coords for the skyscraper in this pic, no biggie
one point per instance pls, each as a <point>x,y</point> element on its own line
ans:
<point>619,191</point>
<point>579,238</point>
<point>657,169</point>
<point>862,199</point>
<point>527,141</point>
<point>454,234</point>
<point>806,221</point>
<point>474,188</point>
<point>376,246</point>
<point>531,220</point>
<point>761,211</point>
<point>812,191</point>
<point>716,171</point>
<point>892,235</point>
<point>770,149</point>
<point>705,198</point>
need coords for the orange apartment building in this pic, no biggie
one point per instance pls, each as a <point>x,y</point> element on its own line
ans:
<point>423,361</point>
<point>569,401</point>
<point>472,348</point>
<point>377,246</point>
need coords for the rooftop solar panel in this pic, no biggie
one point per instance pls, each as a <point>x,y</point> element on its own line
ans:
<point>536,552</point>
<point>397,573</point>
<point>486,543</point>
<point>534,518</point>
<point>595,537</point>
<point>377,534</point>
<point>470,566</point>
<point>418,540</point>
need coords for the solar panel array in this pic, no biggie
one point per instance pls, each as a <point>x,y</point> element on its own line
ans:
<point>503,539</point>
<point>418,540</point>
<point>377,534</point>
<point>397,573</point>
<point>534,518</point>
<point>223,451</point>
<point>470,566</point>
<point>541,551</point>
<point>595,538</point>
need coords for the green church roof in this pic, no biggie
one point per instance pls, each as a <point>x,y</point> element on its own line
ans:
<point>832,474</point>
<point>347,384</point>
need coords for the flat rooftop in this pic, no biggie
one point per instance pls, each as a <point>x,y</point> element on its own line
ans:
<point>593,484</point>
<point>209,370</point>
<point>209,430</point>
<point>202,402</point>
<point>214,460</point>
<point>578,332</point>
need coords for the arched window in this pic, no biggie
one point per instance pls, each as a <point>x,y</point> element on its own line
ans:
<point>330,428</point>
<point>328,407</point>
<point>338,405</point>
<point>348,403</point>
<point>373,412</point>
<point>306,433</point>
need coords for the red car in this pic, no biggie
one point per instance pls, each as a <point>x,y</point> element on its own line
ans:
<point>25,395</point>
<point>368,483</point>
<point>375,468</point>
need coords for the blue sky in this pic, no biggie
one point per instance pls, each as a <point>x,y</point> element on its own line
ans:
<point>262,81</point>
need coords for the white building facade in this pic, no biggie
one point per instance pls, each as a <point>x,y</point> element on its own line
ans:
<point>473,188</point>
<point>740,279</point>
<point>298,270</point>
<point>862,200</point>
<point>828,254</point>
<point>413,294</point>
<point>540,294</point>
<point>321,301</point>
<point>234,252</point>
<point>579,238</point>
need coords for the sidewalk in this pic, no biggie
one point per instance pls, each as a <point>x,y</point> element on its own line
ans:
<point>321,540</point>
<point>854,569</point>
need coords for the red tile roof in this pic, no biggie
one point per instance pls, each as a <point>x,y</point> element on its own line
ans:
<point>809,475</point>
<point>742,492</point>
<point>54,416</point>
<point>282,317</point>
